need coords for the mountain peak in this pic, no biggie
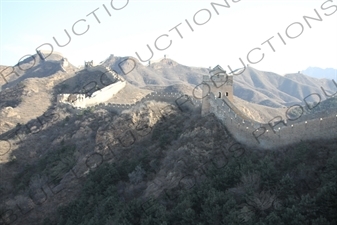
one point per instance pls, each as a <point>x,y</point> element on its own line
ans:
<point>168,62</point>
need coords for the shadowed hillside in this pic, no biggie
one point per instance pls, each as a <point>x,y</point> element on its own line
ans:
<point>34,67</point>
<point>155,164</point>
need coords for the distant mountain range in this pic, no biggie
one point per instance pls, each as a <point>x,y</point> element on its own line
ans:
<point>320,73</point>
<point>259,87</point>
<point>274,90</point>
<point>264,88</point>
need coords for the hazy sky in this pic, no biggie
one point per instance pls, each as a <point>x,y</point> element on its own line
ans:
<point>230,33</point>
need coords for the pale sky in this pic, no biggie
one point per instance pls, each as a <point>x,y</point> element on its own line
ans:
<point>227,36</point>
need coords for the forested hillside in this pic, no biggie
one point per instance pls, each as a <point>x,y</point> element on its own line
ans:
<point>294,185</point>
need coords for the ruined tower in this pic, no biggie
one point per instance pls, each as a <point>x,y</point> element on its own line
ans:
<point>220,84</point>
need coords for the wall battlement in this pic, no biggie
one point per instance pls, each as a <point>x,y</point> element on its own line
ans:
<point>279,132</point>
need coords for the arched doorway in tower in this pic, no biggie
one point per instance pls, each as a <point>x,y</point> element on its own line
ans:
<point>219,96</point>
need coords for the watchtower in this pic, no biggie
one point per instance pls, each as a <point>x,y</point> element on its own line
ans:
<point>40,54</point>
<point>220,84</point>
<point>88,64</point>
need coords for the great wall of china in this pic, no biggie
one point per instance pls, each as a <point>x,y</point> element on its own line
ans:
<point>154,96</point>
<point>277,133</point>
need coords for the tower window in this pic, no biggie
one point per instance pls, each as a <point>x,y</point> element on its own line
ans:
<point>219,95</point>
<point>226,94</point>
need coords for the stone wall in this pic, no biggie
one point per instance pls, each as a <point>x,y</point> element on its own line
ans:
<point>278,133</point>
<point>100,96</point>
<point>174,98</point>
<point>105,93</point>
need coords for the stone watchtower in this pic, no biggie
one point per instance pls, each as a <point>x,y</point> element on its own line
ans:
<point>220,84</point>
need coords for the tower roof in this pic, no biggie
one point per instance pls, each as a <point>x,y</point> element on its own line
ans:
<point>217,70</point>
